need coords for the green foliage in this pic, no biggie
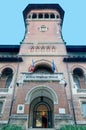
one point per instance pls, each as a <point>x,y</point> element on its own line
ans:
<point>11,127</point>
<point>73,127</point>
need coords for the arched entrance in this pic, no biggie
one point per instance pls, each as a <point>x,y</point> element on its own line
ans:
<point>41,100</point>
<point>41,113</point>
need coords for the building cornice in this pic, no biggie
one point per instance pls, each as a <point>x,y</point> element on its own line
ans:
<point>43,6</point>
<point>76,48</point>
<point>15,48</point>
<point>9,48</point>
<point>75,59</point>
<point>10,59</point>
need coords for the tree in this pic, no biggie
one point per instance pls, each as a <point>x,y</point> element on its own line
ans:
<point>11,127</point>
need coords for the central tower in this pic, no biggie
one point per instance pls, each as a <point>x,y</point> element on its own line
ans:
<point>43,29</point>
<point>43,23</point>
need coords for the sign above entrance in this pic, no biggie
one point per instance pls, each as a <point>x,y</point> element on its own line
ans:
<point>59,77</point>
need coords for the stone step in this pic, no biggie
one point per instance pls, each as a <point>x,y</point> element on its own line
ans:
<point>40,129</point>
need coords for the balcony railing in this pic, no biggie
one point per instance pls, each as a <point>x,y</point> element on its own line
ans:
<point>3,90</point>
<point>81,90</point>
<point>41,77</point>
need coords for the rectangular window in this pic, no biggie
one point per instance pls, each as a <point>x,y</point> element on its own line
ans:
<point>84,108</point>
<point>1,105</point>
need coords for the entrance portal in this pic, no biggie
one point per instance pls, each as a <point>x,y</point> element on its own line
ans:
<point>41,113</point>
<point>41,116</point>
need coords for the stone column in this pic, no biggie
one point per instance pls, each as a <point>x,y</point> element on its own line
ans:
<point>0,74</point>
<point>71,80</point>
<point>85,77</point>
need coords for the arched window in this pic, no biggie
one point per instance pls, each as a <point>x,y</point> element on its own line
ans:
<point>43,69</point>
<point>37,48</point>
<point>78,77</point>
<point>6,77</point>
<point>34,16</point>
<point>42,48</point>
<point>32,49</point>
<point>29,16</point>
<point>40,16</point>
<point>48,48</point>
<point>53,49</point>
<point>57,16</point>
<point>76,81</point>
<point>46,16</point>
<point>52,16</point>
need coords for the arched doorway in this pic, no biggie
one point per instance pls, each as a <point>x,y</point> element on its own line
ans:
<point>41,113</point>
<point>41,99</point>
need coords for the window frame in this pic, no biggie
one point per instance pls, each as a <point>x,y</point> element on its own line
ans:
<point>2,109</point>
<point>76,84</point>
<point>83,102</point>
<point>7,77</point>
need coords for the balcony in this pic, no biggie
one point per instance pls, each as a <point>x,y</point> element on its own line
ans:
<point>58,77</point>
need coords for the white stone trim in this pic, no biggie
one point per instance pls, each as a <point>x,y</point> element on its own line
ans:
<point>4,122</point>
<point>3,100</point>
<point>22,109</point>
<point>81,122</point>
<point>41,91</point>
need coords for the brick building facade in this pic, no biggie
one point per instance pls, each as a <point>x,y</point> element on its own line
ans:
<point>43,80</point>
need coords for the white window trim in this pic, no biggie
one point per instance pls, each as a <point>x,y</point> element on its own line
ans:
<point>3,101</point>
<point>82,101</point>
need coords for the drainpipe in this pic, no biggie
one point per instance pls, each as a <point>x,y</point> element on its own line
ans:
<point>14,86</point>
<point>72,103</point>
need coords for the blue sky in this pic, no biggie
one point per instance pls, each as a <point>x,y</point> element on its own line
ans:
<point>12,25</point>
